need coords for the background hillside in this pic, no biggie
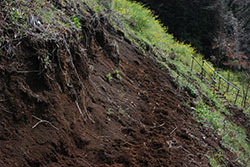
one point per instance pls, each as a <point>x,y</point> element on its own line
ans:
<point>218,29</point>
<point>93,83</point>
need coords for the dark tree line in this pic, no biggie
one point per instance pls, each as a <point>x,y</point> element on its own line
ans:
<point>220,29</point>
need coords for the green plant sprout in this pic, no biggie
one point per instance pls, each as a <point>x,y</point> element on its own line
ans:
<point>76,22</point>
<point>109,77</point>
<point>121,111</point>
<point>109,111</point>
<point>117,75</point>
<point>16,14</point>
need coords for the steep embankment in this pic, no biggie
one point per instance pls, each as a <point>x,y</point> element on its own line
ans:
<point>91,98</point>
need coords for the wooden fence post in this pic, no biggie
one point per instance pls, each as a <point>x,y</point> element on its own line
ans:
<point>214,85</point>
<point>202,66</point>
<point>243,93</point>
<point>236,96</point>
<point>219,83</point>
<point>192,64</point>
<point>228,79</point>
<point>213,78</point>
<point>245,101</point>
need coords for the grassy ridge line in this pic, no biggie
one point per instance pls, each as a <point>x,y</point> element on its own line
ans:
<point>140,22</point>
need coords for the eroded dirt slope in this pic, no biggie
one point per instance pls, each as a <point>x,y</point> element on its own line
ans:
<point>135,119</point>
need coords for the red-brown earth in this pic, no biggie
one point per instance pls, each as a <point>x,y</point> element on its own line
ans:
<point>138,118</point>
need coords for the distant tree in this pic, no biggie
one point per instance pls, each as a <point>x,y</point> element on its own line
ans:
<point>233,39</point>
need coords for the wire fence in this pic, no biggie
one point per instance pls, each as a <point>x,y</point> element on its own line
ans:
<point>224,86</point>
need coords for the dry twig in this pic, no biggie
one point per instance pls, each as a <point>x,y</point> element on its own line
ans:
<point>35,71</point>
<point>158,125</point>
<point>79,109</point>
<point>173,131</point>
<point>43,121</point>
<point>6,111</point>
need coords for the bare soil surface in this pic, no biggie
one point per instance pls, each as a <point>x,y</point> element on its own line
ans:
<point>135,119</point>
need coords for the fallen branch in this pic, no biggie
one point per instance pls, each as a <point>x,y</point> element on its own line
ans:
<point>43,121</point>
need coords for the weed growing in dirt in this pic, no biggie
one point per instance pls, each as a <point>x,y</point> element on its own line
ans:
<point>213,162</point>
<point>109,111</point>
<point>117,75</point>
<point>121,111</point>
<point>109,77</point>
